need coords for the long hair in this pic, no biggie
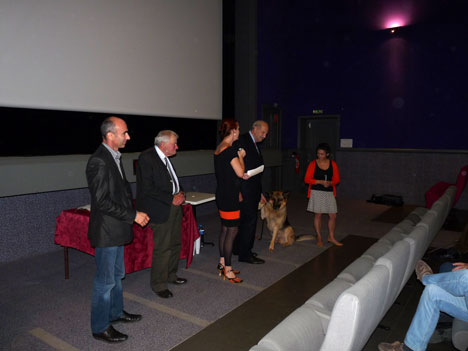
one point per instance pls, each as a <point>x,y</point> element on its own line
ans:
<point>325,147</point>
<point>226,126</point>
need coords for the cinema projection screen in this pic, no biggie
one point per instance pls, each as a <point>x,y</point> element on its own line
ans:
<point>144,57</point>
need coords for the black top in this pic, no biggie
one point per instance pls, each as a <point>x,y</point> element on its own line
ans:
<point>228,184</point>
<point>321,174</point>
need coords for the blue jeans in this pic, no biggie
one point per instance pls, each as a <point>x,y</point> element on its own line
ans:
<point>107,300</point>
<point>446,292</point>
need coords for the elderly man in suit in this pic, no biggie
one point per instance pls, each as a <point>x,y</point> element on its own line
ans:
<point>160,195</point>
<point>110,227</point>
<point>251,190</point>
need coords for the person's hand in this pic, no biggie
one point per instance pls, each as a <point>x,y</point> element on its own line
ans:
<point>178,199</point>
<point>326,183</point>
<point>459,265</point>
<point>240,197</point>
<point>142,218</point>
<point>241,152</point>
<point>245,176</point>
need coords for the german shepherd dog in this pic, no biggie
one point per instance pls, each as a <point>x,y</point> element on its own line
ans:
<point>276,214</point>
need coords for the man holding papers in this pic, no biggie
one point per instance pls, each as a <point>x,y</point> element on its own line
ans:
<point>251,190</point>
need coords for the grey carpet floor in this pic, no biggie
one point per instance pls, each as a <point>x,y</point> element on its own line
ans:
<point>42,311</point>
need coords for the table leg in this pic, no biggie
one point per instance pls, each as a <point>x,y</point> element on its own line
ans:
<point>202,237</point>
<point>65,256</point>
<point>203,242</point>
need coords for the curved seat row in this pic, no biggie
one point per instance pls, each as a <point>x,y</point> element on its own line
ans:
<point>343,315</point>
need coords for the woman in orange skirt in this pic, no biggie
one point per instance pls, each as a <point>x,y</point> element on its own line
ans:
<point>229,168</point>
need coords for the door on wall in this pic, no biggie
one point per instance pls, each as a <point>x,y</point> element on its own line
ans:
<point>314,130</point>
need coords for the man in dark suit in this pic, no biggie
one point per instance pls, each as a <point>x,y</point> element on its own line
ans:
<point>160,195</point>
<point>110,227</point>
<point>251,190</point>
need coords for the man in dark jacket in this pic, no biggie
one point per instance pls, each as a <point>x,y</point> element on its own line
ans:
<point>110,227</point>
<point>160,195</point>
<point>251,190</point>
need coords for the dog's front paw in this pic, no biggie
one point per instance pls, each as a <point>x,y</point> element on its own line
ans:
<point>272,248</point>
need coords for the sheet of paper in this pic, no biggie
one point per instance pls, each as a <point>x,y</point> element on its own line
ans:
<point>255,171</point>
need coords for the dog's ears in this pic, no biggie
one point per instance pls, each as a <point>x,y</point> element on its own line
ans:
<point>267,196</point>
<point>286,194</point>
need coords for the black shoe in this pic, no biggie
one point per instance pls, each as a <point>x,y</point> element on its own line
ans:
<point>179,281</point>
<point>110,335</point>
<point>253,260</point>
<point>127,318</point>
<point>164,294</point>
<point>254,254</point>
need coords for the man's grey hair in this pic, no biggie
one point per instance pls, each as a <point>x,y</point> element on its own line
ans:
<point>164,136</point>
<point>107,126</point>
<point>258,124</point>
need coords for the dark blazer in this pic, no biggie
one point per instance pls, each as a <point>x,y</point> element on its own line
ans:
<point>253,159</point>
<point>154,187</point>
<point>112,212</point>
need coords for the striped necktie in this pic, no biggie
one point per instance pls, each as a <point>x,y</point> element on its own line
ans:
<point>175,183</point>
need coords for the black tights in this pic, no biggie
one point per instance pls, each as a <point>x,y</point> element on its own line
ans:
<point>226,241</point>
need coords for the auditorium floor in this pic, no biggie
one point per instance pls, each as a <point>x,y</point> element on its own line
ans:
<point>42,311</point>
<point>244,326</point>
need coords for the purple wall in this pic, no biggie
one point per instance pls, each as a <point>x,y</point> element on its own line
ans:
<point>391,91</point>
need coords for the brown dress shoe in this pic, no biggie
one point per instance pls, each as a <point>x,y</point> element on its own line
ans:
<point>396,346</point>
<point>422,269</point>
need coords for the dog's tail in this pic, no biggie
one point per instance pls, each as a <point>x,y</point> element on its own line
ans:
<point>305,237</point>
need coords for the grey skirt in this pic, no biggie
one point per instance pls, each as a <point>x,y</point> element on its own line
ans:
<point>322,202</point>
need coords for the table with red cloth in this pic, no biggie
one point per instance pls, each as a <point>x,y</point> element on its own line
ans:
<point>72,231</point>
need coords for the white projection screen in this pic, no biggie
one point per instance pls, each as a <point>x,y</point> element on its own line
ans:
<point>143,57</point>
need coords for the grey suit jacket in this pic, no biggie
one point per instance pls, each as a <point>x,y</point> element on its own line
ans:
<point>112,212</point>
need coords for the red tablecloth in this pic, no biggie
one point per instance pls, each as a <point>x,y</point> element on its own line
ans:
<point>72,231</point>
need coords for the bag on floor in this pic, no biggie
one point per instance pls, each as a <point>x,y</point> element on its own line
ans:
<point>387,199</point>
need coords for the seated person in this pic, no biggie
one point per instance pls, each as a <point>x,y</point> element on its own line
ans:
<point>444,292</point>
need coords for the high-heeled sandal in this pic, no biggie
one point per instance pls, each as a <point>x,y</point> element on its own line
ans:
<point>220,269</point>
<point>235,280</point>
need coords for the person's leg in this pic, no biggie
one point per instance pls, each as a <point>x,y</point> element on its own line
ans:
<point>116,309</point>
<point>104,282</point>
<point>229,273</point>
<point>161,254</point>
<point>231,233</point>
<point>433,300</point>
<point>331,229</point>
<point>455,283</point>
<point>248,226</point>
<point>222,239</point>
<point>175,242</point>
<point>253,226</point>
<point>318,226</point>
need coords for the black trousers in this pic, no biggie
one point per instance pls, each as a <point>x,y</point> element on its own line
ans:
<point>248,226</point>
